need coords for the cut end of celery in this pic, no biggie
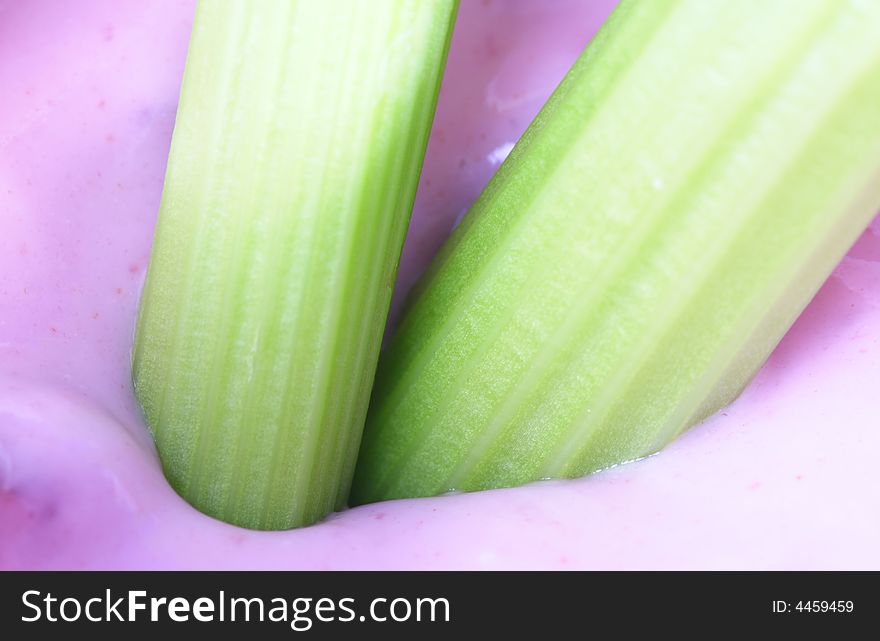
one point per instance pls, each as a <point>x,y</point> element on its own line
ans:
<point>672,209</point>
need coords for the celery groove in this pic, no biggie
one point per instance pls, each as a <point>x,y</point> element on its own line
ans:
<point>663,221</point>
<point>294,162</point>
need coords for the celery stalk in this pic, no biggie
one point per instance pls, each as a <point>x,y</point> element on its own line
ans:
<point>294,162</point>
<point>663,221</point>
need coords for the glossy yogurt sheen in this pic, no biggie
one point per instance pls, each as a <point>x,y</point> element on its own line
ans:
<point>784,478</point>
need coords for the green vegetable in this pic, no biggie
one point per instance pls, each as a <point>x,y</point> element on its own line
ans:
<point>294,163</point>
<point>663,221</point>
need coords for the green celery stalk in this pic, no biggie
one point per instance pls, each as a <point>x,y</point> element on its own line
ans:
<point>295,158</point>
<point>668,214</point>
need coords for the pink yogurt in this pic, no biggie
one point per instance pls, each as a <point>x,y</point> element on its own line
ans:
<point>787,477</point>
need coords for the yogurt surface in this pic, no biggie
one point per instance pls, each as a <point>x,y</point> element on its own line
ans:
<point>786,477</point>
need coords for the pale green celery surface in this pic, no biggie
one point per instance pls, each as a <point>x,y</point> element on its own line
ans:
<point>660,225</point>
<point>294,163</point>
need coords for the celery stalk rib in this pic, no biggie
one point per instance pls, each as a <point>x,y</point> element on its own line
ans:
<point>294,162</point>
<point>662,222</point>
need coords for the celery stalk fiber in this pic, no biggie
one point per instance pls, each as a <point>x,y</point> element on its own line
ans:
<point>677,202</point>
<point>293,167</point>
